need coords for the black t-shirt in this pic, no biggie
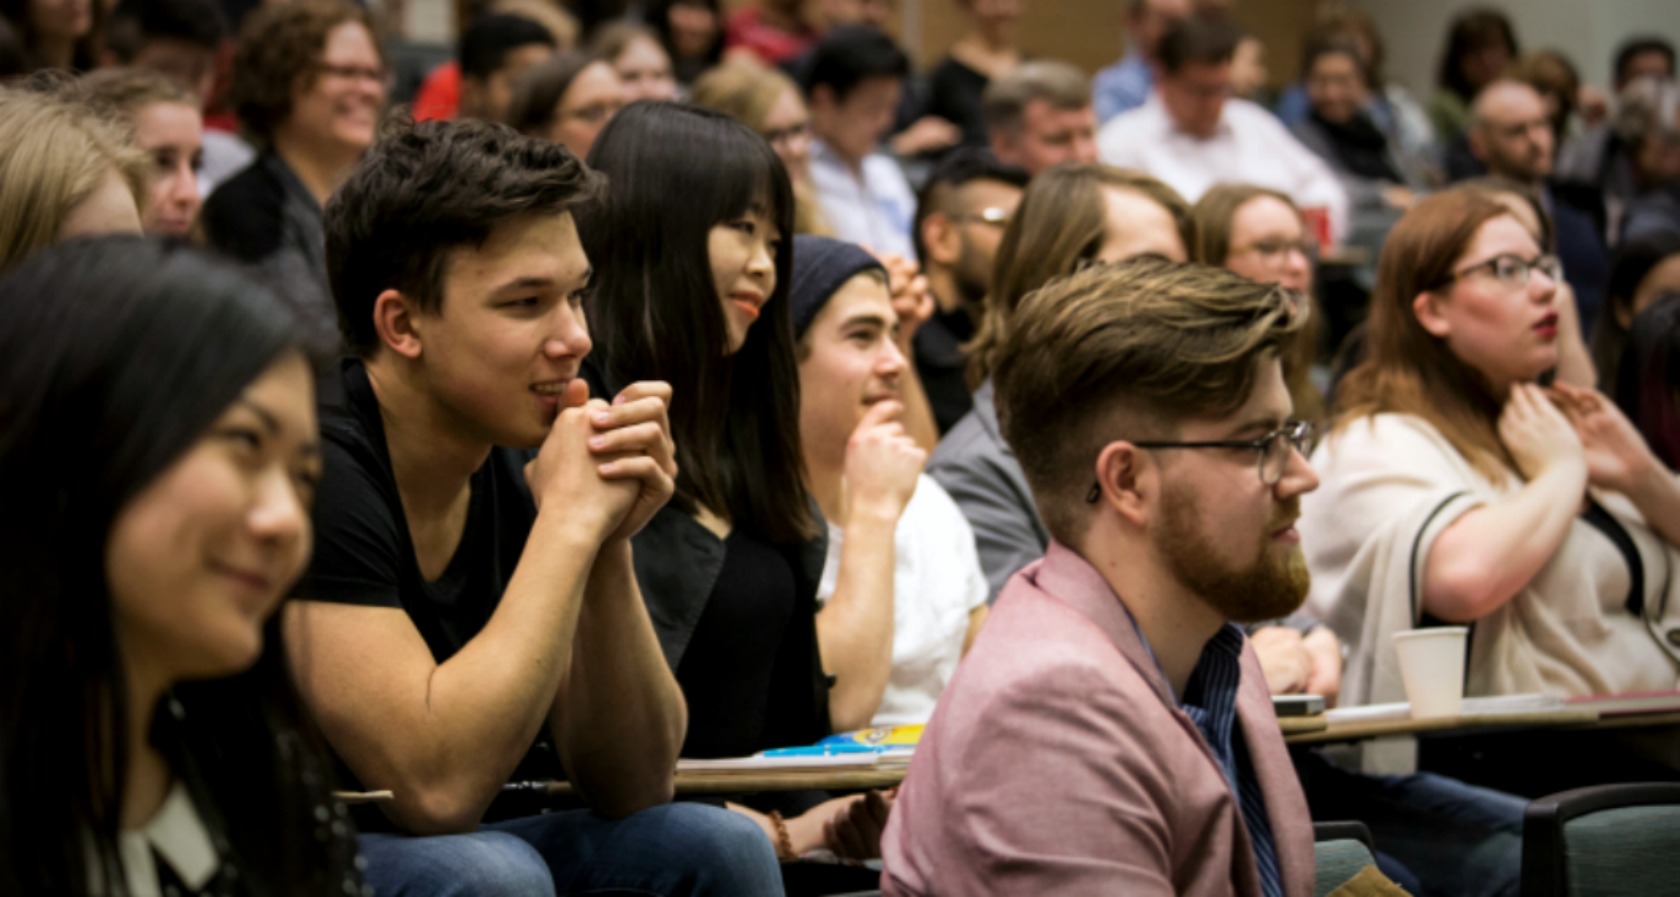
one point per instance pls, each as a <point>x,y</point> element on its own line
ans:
<point>724,675</point>
<point>364,553</point>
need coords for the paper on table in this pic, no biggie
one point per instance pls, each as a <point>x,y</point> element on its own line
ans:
<point>1491,706</point>
<point>869,760</point>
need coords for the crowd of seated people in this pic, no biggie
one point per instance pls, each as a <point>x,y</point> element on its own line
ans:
<point>689,381</point>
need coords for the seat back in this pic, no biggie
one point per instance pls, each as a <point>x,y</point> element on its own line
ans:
<point>1605,841</point>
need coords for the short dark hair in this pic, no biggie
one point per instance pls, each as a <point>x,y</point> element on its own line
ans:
<point>135,23</point>
<point>1198,41</point>
<point>1639,45</point>
<point>959,167</point>
<point>428,188</point>
<point>490,38</point>
<point>851,54</point>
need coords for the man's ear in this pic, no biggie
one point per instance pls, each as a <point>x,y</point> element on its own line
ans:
<point>1427,307</point>
<point>1622,309</point>
<point>940,237</point>
<point>1003,146</point>
<point>397,321</point>
<point>472,98</point>
<point>1127,481</point>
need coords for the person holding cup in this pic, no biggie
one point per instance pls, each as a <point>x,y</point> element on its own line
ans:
<point>1458,490</point>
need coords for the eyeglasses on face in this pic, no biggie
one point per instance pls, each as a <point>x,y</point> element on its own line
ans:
<point>1275,249</point>
<point>1273,450</point>
<point>992,215</point>
<point>1511,270</point>
<point>382,76</point>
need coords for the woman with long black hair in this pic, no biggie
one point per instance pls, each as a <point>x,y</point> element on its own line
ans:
<point>158,450</point>
<point>692,251</point>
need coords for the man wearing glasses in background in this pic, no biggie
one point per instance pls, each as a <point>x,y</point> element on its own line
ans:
<point>960,217</point>
<point>1112,731</point>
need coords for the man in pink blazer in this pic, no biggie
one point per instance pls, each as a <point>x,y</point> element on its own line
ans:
<point>1110,731</point>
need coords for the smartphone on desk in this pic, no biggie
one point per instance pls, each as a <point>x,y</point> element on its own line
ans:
<point>1298,705</point>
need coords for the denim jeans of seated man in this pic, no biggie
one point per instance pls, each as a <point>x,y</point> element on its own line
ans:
<point>672,850</point>
<point>1458,840</point>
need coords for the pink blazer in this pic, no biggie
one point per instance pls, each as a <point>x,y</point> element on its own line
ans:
<point>1057,762</point>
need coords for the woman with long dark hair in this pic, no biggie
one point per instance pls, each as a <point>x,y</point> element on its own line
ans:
<point>158,451</point>
<point>692,251</point>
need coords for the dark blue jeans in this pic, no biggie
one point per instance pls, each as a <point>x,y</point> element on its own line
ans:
<point>672,850</point>
<point>1459,840</point>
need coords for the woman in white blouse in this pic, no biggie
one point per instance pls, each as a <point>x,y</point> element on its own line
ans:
<point>1456,489</point>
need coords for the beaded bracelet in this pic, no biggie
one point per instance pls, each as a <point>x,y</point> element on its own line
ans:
<point>784,843</point>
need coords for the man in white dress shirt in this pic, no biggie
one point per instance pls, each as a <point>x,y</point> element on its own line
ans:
<point>1193,134</point>
<point>854,82</point>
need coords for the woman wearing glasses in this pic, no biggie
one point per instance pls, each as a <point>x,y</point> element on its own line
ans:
<point>1458,491</point>
<point>1070,217</point>
<point>309,82</point>
<point>1258,232</point>
<point>568,98</point>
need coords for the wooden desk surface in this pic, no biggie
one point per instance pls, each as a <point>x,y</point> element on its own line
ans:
<point>1360,730</point>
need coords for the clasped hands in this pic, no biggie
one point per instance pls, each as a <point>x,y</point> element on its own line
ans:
<point>613,465</point>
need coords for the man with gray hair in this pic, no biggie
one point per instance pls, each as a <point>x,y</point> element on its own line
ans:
<point>1040,115</point>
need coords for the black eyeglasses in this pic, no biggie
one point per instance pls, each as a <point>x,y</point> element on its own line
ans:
<point>1511,270</point>
<point>1273,448</point>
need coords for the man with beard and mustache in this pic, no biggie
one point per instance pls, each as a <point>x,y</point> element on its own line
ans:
<point>1110,730</point>
<point>960,216</point>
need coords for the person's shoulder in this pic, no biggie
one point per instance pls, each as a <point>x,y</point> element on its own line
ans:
<point>240,217</point>
<point>1134,127</point>
<point>967,443</point>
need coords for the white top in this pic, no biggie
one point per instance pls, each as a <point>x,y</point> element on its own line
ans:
<point>176,836</point>
<point>937,583</point>
<point>1250,146</point>
<point>1566,633</point>
<point>873,208</point>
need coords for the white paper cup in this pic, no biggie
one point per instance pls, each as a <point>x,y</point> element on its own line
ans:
<point>1432,667</point>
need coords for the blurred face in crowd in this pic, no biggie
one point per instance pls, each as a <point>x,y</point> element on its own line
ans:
<point>108,209</point>
<point>1646,64</point>
<point>488,99</point>
<point>787,128</point>
<point>1248,68</point>
<point>188,64</point>
<point>173,135</point>
<point>1146,25</point>
<point>1269,245</point>
<point>742,252</point>
<point>1512,133</point>
<point>694,27</point>
<point>1049,136</point>
<point>1195,95</point>
<point>61,20</point>
<point>852,127</point>
<point>592,99</point>
<point>1495,318</point>
<point>336,107</point>
<point>962,235</point>
<point>205,552</point>
<point>850,364</point>
<point>1481,65</point>
<point>646,71</point>
<point>1336,87</point>
<point>510,334</point>
<point>1138,225</point>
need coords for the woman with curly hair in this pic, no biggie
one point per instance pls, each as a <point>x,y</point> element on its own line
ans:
<point>309,82</point>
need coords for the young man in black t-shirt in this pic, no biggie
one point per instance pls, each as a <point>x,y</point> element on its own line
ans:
<point>464,605</point>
